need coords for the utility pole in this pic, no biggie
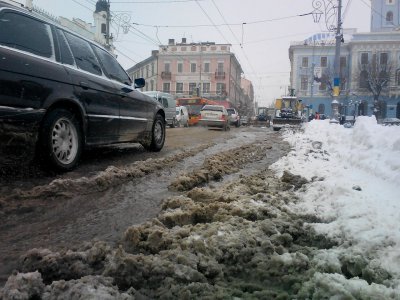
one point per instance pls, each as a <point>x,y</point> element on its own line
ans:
<point>336,79</point>
<point>326,7</point>
<point>108,20</point>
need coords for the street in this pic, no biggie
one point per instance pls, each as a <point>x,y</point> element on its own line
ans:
<point>119,186</point>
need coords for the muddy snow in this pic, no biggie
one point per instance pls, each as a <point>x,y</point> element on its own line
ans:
<point>218,236</point>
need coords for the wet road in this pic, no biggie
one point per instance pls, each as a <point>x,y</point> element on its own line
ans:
<point>57,216</point>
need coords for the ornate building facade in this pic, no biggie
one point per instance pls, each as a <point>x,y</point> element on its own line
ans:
<point>369,67</point>
<point>186,69</point>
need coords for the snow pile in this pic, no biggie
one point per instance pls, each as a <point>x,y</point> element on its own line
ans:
<point>355,174</point>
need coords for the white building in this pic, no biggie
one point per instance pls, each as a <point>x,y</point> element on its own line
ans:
<point>362,56</point>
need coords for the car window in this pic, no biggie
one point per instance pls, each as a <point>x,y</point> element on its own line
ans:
<point>27,34</point>
<point>112,67</point>
<point>212,108</point>
<point>164,102</point>
<point>65,51</point>
<point>84,56</point>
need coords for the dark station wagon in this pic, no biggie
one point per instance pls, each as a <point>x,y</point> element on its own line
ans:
<point>60,92</point>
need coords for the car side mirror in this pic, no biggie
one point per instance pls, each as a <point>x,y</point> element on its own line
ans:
<point>139,83</point>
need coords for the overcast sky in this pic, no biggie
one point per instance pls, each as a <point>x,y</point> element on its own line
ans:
<point>261,45</point>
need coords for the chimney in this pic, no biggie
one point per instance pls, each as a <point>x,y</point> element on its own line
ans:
<point>183,40</point>
<point>154,52</point>
<point>171,42</point>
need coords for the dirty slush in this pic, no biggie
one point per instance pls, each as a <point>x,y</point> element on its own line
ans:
<point>215,238</point>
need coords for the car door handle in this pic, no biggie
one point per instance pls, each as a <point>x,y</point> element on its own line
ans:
<point>84,85</point>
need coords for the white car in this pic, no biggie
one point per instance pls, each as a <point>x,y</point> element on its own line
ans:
<point>234,117</point>
<point>182,116</point>
<point>214,116</point>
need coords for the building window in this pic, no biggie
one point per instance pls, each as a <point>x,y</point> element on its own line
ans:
<point>220,88</point>
<point>304,83</point>
<point>166,87</point>
<point>141,72</point>
<point>321,108</point>
<point>206,88</point>
<point>322,86</point>
<point>180,67</point>
<point>324,61</point>
<point>152,69</point>
<point>304,62</point>
<point>103,28</point>
<point>167,67</point>
<point>193,67</point>
<point>389,2</point>
<point>152,85</point>
<point>364,58</point>
<point>364,79</point>
<point>220,68</point>
<point>192,88</point>
<point>206,67</point>
<point>179,87</point>
<point>383,58</point>
<point>389,17</point>
<point>147,71</point>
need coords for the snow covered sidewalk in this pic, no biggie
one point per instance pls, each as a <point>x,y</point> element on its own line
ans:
<point>355,174</point>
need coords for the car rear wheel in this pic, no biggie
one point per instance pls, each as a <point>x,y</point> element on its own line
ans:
<point>61,140</point>
<point>157,135</point>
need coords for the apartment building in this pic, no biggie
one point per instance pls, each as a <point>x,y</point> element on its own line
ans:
<point>194,69</point>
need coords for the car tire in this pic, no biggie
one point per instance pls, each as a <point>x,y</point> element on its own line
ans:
<point>157,135</point>
<point>60,140</point>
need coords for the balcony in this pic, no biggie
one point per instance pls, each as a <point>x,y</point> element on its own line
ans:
<point>219,75</point>
<point>166,75</point>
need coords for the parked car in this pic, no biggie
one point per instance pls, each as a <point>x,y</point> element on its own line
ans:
<point>214,116</point>
<point>234,117</point>
<point>60,92</point>
<point>182,116</point>
<point>169,102</point>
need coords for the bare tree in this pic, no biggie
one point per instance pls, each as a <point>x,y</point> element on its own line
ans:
<point>374,76</point>
<point>326,78</point>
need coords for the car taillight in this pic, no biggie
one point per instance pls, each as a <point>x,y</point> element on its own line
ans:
<point>223,117</point>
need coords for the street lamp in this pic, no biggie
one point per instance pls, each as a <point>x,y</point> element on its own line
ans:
<point>329,10</point>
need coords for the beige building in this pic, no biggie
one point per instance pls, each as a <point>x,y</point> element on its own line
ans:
<point>186,69</point>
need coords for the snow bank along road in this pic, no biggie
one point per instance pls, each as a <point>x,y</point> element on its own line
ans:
<point>227,228</point>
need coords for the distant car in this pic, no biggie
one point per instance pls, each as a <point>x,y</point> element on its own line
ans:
<point>391,121</point>
<point>214,116</point>
<point>60,92</point>
<point>182,116</point>
<point>234,117</point>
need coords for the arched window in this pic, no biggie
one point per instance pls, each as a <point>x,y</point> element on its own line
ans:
<point>364,79</point>
<point>363,109</point>
<point>382,109</point>
<point>103,28</point>
<point>389,17</point>
<point>321,108</point>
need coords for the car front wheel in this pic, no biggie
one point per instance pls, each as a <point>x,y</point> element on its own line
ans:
<point>61,140</point>
<point>157,134</point>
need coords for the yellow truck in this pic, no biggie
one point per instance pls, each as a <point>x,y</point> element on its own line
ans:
<point>288,111</point>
